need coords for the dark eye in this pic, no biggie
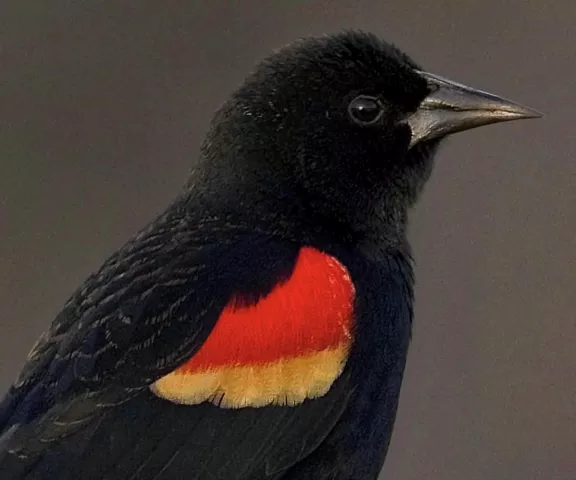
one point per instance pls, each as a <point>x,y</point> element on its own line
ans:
<point>365,110</point>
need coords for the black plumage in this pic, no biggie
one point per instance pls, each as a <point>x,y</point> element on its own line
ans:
<point>327,144</point>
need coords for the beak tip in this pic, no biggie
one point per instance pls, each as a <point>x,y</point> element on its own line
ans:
<point>537,114</point>
<point>527,113</point>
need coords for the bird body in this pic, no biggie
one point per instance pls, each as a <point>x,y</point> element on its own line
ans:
<point>257,329</point>
<point>149,431</point>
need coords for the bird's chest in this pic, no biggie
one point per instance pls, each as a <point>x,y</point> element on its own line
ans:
<point>383,316</point>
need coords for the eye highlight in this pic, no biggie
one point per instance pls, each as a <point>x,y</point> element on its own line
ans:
<point>365,110</point>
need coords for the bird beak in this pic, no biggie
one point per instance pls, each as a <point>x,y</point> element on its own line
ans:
<point>452,107</point>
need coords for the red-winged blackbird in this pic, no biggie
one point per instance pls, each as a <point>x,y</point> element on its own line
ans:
<point>258,328</point>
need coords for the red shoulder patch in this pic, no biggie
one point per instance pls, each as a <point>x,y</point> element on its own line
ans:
<point>289,346</point>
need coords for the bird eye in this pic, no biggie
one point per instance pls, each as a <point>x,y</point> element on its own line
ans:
<point>365,110</point>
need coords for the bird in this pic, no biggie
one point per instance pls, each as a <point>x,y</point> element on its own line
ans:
<point>258,328</point>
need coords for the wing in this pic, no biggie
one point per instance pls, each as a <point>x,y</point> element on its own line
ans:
<point>150,307</point>
<point>189,316</point>
<point>288,346</point>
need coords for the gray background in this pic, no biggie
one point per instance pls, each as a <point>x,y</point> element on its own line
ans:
<point>103,105</point>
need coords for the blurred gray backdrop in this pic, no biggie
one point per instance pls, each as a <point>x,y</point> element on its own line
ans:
<point>103,105</point>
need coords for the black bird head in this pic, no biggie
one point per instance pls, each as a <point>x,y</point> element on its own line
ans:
<point>338,132</point>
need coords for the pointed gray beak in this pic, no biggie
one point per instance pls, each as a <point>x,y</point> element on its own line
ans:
<point>452,107</point>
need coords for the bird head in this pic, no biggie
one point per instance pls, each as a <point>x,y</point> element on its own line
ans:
<point>340,130</point>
